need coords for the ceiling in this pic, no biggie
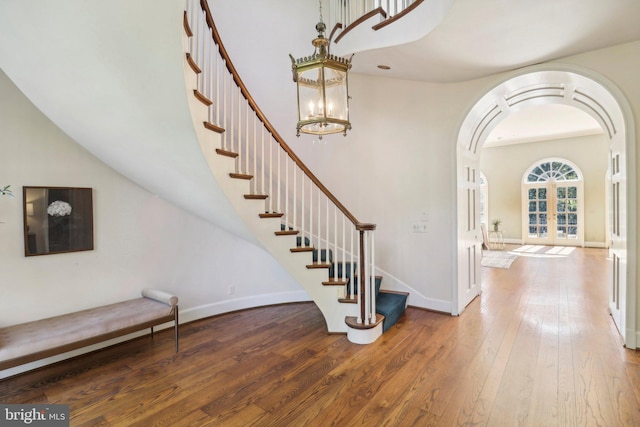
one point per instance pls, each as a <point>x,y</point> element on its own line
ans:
<point>480,38</point>
<point>541,123</point>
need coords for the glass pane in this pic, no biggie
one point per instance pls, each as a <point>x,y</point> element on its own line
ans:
<point>532,232</point>
<point>532,178</point>
<point>542,218</point>
<point>573,219</point>
<point>573,232</point>
<point>561,206</point>
<point>572,175</point>
<point>532,219</point>
<point>562,193</point>
<point>542,206</point>
<point>532,193</point>
<point>542,193</point>
<point>336,93</point>
<point>561,233</point>
<point>562,219</point>
<point>545,167</point>
<point>572,192</point>
<point>532,206</point>
<point>572,206</point>
<point>543,231</point>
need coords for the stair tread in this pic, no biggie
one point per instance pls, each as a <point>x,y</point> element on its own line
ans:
<point>335,283</point>
<point>302,249</point>
<point>256,197</point>
<point>287,232</point>
<point>271,215</point>
<point>187,27</point>
<point>214,128</point>
<point>240,175</point>
<point>226,153</point>
<point>319,265</point>
<point>352,322</point>
<point>392,305</point>
<point>192,63</point>
<point>200,97</point>
<point>348,300</point>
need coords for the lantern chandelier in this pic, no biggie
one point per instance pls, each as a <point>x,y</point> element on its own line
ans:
<point>323,90</point>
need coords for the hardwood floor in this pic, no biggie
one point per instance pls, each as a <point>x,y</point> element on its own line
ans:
<point>538,348</point>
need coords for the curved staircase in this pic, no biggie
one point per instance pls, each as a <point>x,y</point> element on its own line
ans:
<point>290,212</point>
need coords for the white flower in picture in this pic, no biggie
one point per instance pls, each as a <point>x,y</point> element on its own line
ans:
<point>59,208</point>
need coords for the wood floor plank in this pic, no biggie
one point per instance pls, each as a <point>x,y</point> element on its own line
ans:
<point>537,348</point>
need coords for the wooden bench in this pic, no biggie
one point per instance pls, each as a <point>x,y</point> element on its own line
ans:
<point>27,342</point>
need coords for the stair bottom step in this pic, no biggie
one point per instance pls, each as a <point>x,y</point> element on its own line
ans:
<point>391,306</point>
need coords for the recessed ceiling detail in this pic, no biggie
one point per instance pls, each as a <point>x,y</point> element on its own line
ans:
<point>597,109</point>
<point>485,122</point>
<point>537,91</point>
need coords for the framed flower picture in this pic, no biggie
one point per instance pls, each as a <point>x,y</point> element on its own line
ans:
<point>57,220</point>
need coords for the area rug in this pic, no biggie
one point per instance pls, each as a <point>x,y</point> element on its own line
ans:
<point>497,259</point>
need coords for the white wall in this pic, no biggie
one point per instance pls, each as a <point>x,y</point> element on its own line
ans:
<point>140,240</point>
<point>504,167</point>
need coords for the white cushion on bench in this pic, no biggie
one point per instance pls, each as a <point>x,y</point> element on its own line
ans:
<point>27,338</point>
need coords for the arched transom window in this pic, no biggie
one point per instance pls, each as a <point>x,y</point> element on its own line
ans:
<point>553,170</point>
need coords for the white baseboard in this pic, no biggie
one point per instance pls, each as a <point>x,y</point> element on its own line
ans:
<point>513,241</point>
<point>227,306</point>
<point>416,299</point>
<point>601,245</point>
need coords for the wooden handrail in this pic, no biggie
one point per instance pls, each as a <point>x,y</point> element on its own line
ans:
<point>379,10</point>
<point>245,92</point>
<point>363,18</point>
<point>397,16</point>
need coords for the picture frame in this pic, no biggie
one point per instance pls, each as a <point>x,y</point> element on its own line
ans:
<point>57,220</point>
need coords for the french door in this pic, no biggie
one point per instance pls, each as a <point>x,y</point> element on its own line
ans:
<point>553,210</point>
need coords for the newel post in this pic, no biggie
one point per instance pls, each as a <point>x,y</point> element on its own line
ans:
<point>363,294</point>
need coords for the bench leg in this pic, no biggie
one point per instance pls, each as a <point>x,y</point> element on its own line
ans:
<point>152,332</point>
<point>175,326</point>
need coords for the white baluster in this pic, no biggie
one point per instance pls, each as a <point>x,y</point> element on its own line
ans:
<point>335,240</point>
<point>239,130</point>
<point>344,248</point>
<point>372,257</point>
<point>217,78</point>
<point>351,269</point>
<point>254,186</point>
<point>278,180</point>
<point>295,196</point>
<point>302,208</point>
<point>326,231</point>
<point>262,168</point>
<point>271,144</point>
<point>226,144</point>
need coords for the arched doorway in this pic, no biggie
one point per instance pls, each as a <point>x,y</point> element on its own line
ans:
<point>601,100</point>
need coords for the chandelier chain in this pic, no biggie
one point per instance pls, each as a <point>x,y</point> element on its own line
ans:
<point>321,11</point>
